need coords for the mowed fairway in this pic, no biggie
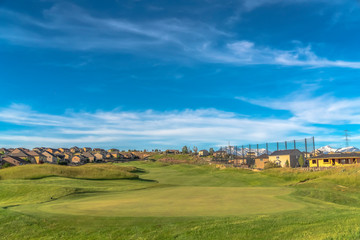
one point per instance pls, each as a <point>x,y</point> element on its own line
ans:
<point>178,201</point>
<point>160,201</point>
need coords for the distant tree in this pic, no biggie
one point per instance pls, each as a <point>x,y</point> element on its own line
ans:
<point>269,165</point>
<point>6,165</point>
<point>301,161</point>
<point>195,149</point>
<point>185,150</point>
<point>287,163</point>
<point>211,151</point>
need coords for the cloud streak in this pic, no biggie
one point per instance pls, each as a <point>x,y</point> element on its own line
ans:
<point>148,128</point>
<point>323,109</point>
<point>67,26</point>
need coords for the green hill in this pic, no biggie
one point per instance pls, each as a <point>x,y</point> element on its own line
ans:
<point>153,200</point>
<point>88,171</point>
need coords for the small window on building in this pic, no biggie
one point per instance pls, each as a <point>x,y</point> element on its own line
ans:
<point>261,159</point>
<point>314,161</point>
<point>326,160</point>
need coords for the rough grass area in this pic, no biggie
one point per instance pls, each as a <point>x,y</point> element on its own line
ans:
<point>184,201</point>
<point>178,158</point>
<point>88,171</point>
<point>178,202</point>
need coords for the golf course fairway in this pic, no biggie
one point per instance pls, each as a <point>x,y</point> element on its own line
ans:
<point>150,200</point>
<point>177,202</point>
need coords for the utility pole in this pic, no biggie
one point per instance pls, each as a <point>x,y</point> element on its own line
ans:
<point>346,134</point>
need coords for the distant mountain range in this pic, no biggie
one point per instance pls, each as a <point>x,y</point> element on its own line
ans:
<point>238,151</point>
<point>327,149</point>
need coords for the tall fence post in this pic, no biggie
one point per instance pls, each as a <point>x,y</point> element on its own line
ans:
<point>285,145</point>
<point>267,149</point>
<point>257,149</point>
<point>305,148</point>
<point>277,146</point>
<point>236,153</point>
<point>313,139</point>
<point>294,144</point>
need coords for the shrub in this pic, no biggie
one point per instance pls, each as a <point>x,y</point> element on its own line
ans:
<point>269,165</point>
<point>6,165</point>
<point>287,163</point>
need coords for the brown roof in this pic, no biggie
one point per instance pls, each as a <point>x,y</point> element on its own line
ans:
<point>14,160</point>
<point>285,152</point>
<point>263,156</point>
<point>19,153</point>
<point>337,155</point>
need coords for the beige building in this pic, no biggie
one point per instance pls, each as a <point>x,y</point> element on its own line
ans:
<point>78,159</point>
<point>13,161</point>
<point>51,158</point>
<point>261,160</point>
<point>283,157</point>
<point>89,156</point>
<point>87,149</point>
<point>39,158</point>
<point>203,153</point>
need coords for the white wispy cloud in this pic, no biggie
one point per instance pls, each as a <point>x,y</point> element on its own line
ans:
<point>147,128</point>
<point>250,5</point>
<point>323,109</point>
<point>247,53</point>
<point>67,26</point>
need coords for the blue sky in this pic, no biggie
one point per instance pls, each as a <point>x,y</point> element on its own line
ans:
<point>162,74</point>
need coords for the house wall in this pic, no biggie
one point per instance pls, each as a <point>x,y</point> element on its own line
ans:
<point>291,158</point>
<point>281,158</point>
<point>330,162</point>
<point>260,162</point>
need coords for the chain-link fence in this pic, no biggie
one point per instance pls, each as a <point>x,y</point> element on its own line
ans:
<point>246,153</point>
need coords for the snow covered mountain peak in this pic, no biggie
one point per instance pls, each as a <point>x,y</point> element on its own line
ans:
<point>327,149</point>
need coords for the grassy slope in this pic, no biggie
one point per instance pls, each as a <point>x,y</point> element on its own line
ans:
<point>88,171</point>
<point>322,219</point>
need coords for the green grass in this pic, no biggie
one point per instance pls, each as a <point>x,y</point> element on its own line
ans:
<point>173,201</point>
<point>88,171</point>
<point>176,202</point>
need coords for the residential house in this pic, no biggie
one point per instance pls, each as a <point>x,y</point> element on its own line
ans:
<point>78,159</point>
<point>21,153</point>
<point>251,154</point>
<point>4,151</point>
<point>203,153</point>
<point>64,150</point>
<point>98,150</point>
<point>39,158</point>
<point>75,149</point>
<point>87,149</point>
<point>284,157</point>
<point>261,160</point>
<point>172,151</point>
<point>220,154</point>
<point>68,156</point>
<point>100,156</point>
<point>89,156</point>
<point>334,159</point>
<point>50,158</point>
<point>113,153</point>
<point>128,155</point>
<point>14,161</point>
<point>39,149</point>
<point>51,150</point>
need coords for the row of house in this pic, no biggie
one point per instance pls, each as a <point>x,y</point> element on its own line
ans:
<point>72,156</point>
<point>315,160</point>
